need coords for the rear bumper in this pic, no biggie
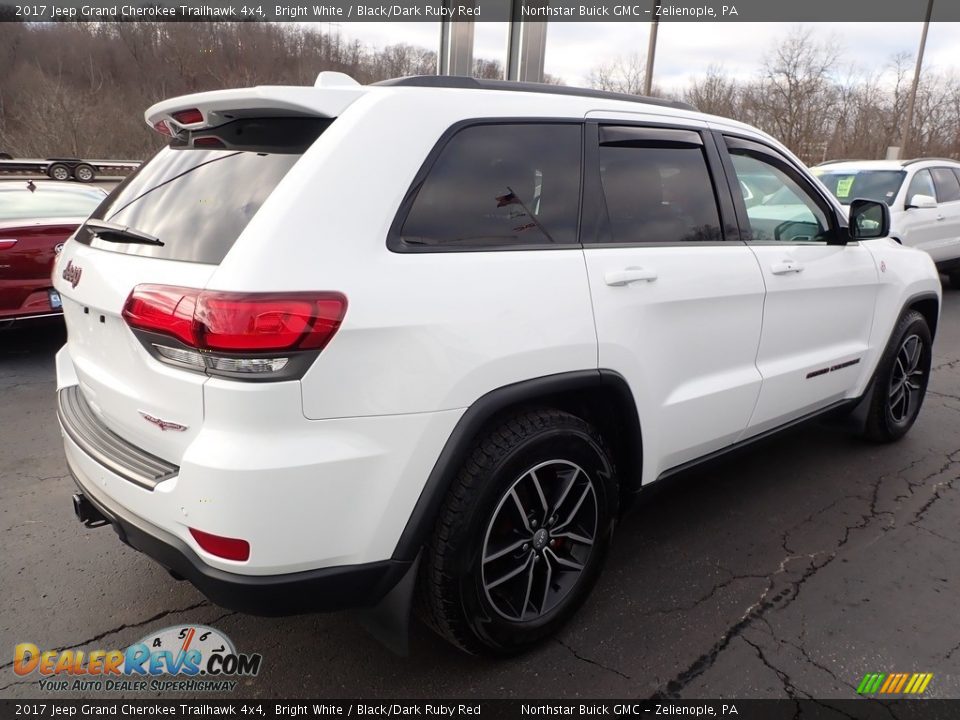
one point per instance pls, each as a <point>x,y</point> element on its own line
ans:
<point>336,588</point>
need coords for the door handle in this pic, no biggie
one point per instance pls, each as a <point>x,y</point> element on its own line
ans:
<point>629,275</point>
<point>7,243</point>
<point>786,267</point>
<point>940,218</point>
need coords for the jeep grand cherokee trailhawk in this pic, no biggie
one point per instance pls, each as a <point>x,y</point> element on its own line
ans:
<point>352,345</point>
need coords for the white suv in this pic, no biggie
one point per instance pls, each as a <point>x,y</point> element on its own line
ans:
<point>336,344</point>
<point>923,196</point>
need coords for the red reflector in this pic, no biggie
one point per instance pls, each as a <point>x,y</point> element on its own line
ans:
<point>161,127</point>
<point>227,548</point>
<point>210,142</point>
<point>188,117</point>
<point>237,322</point>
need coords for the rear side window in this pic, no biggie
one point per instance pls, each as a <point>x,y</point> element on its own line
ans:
<point>499,186</point>
<point>657,187</point>
<point>198,194</point>
<point>948,188</point>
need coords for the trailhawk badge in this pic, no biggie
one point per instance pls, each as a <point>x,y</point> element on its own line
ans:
<point>162,424</point>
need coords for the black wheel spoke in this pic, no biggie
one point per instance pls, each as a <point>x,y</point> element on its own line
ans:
<point>510,575</point>
<point>548,579</point>
<point>543,499</point>
<point>526,597</point>
<point>913,348</point>
<point>563,563</point>
<point>513,547</point>
<point>523,513</point>
<point>566,491</point>
<point>574,537</point>
<point>576,508</point>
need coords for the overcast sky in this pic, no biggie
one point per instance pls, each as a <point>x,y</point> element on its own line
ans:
<point>686,49</point>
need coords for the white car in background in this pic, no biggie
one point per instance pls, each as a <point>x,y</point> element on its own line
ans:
<point>923,196</point>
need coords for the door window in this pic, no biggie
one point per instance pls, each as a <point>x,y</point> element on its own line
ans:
<point>922,184</point>
<point>657,186</point>
<point>780,209</point>
<point>948,188</point>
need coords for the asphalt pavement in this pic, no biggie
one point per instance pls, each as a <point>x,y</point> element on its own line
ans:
<point>790,570</point>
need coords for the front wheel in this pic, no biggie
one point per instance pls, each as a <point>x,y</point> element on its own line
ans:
<point>901,380</point>
<point>521,535</point>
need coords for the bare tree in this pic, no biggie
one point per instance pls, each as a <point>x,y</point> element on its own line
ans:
<point>625,74</point>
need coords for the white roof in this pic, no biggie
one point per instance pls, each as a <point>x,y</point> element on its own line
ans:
<point>851,165</point>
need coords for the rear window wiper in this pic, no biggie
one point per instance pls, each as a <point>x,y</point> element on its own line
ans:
<point>114,232</point>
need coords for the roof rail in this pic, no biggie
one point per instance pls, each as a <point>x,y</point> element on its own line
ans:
<point>470,83</point>
<point>928,159</point>
<point>831,162</point>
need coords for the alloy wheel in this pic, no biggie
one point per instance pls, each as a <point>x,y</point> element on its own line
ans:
<point>539,540</point>
<point>906,380</point>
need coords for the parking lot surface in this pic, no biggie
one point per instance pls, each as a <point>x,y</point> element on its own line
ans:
<point>790,570</point>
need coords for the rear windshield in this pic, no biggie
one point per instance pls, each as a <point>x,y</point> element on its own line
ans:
<point>878,185</point>
<point>18,202</point>
<point>198,194</point>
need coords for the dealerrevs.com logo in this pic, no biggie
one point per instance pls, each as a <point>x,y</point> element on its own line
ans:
<point>191,658</point>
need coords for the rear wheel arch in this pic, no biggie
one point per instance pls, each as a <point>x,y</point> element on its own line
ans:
<point>600,397</point>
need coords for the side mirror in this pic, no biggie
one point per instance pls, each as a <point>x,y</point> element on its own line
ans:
<point>923,202</point>
<point>869,220</point>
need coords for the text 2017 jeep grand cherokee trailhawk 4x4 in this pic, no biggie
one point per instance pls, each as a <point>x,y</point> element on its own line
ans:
<point>335,345</point>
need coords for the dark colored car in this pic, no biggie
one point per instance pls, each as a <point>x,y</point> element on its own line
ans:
<point>36,218</point>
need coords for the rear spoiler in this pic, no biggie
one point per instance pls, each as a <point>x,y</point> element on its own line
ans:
<point>328,98</point>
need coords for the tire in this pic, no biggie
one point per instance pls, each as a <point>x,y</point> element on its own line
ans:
<point>901,380</point>
<point>84,173</point>
<point>554,466</point>
<point>58,171</point>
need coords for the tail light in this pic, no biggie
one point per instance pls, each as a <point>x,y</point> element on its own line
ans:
<point>264,336</point>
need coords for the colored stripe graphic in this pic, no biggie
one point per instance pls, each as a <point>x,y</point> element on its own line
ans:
<point>894,683</point>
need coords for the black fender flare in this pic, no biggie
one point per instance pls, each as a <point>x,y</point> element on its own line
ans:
<point>422,519</point>
<point>858,414</point>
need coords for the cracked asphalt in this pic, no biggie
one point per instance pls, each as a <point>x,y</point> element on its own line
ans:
<point>788,571</point>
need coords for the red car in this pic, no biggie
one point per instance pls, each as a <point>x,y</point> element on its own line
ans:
<point>35,219</point>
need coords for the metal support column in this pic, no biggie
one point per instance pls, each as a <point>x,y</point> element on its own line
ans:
<point>528,45</point>
<point>456,45</point>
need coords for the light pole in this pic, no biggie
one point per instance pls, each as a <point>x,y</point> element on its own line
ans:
<point>652,49</point>
<point>912,99</point>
